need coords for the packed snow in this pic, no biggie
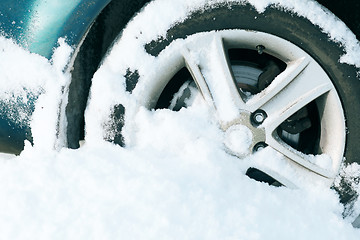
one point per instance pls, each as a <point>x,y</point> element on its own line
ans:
<point>173,180</point>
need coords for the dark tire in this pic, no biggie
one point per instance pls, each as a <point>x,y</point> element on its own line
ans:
<point>102,34</point>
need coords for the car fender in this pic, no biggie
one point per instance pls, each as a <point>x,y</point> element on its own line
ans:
<point>37,25</point>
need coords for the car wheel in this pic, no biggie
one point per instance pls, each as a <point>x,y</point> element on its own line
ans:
<point>274,72</point>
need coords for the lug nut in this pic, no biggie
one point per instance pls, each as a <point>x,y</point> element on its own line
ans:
<point>259,146</point>
<point>258,117</point>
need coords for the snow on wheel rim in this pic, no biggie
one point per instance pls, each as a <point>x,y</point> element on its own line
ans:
<point>302,82</point>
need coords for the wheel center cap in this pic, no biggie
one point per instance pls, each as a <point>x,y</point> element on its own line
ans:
<point>238,140</point>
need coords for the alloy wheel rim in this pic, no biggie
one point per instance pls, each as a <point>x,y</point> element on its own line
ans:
<point>302,82</point>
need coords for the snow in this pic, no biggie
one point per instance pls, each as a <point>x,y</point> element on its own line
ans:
<point>238,139</point>
<point>107,192</point>
<point>174,180</point>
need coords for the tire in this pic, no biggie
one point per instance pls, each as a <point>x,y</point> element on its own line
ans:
<point>95,45</point>
<point>267,46</point>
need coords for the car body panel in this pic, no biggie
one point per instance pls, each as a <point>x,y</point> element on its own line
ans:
<point>14,16</point>
<point>37,25</point>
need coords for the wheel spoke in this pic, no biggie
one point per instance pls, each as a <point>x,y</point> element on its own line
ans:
<point>197,76</point>
<point>303,84</point>
<point>208,65</point>
<point>300,84</point>
<point>318,164</point>
<point>280,82</point>
<point>288,172</point>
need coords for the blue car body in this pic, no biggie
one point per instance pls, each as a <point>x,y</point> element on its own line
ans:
<point>38,24</point>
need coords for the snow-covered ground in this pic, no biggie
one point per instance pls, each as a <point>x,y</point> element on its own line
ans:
<point>182,185</point>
